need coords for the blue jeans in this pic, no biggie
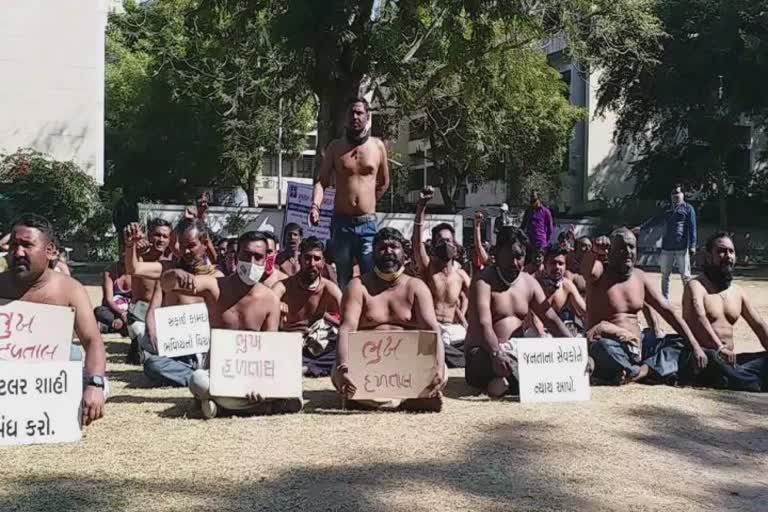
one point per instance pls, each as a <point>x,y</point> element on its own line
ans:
<point>170,371</point>
<point>352,239</point>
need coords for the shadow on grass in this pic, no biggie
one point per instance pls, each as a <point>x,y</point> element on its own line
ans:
<point>505,469</point>
<point>705,443</point>
<point>117,350</point>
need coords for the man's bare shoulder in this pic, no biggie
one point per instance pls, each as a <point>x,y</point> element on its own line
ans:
<point>330,285</point>
<point>263,292</point>
<point>415,284</point>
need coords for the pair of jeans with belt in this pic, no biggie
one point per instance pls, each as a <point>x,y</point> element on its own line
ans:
<point>352,240</point>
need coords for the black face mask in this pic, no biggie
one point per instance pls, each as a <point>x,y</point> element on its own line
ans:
<point>719,275</point>
<point>388,263</point>
<point>357,139</point>
<point>444,251</point>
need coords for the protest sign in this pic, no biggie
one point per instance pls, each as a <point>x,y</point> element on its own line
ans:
<point>553,369</point>
<point>266,363</point>
<point>31,332</point>
<point>392,364</point>
<point>182,330</point>
<point>40,403</point>
<point>297,206</point>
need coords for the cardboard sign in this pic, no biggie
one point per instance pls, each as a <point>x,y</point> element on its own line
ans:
<point>392,364</point>
<point>182,330</point>
<point>267,363</point>
<point>40,403</point>
<point>553,369</point>
<point>31,332</point>
<point>297,206</point>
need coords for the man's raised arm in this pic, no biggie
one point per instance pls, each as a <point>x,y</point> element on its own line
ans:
<point>132,235</point>
<point>419,251</point>
<point>184,283</point>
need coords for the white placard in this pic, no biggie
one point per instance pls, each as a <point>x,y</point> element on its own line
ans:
<point>40,403</point>
<point>266,363</point>
<point>298,203</point>
<point>553,369</point>
<point>182,330</point>
<point>392,364</point>
<point>31,332</point>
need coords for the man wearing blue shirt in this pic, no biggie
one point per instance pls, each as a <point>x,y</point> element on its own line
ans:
<point>679,241</point>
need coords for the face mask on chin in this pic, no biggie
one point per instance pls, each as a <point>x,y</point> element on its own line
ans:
<point>388,268</point>
<point>249,273</point>
<point>358,139</point>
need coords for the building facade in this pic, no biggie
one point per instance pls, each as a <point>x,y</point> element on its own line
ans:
<point>52,86</point>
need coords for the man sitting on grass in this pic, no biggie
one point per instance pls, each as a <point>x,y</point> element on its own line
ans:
<point>711,306</point>
<point>500,299</point>
<point>387,300</point>
<point>616,293</point>
<point>29,278</point>
<point>310,305</point>
<point>239,302</point>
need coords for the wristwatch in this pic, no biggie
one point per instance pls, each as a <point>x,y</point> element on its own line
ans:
<point>495,353</point>
<point>98,381</point>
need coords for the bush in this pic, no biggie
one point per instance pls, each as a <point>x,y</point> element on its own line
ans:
<point>59,191</point>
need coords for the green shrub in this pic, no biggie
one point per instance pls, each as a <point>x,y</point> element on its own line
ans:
<point>59,191</point>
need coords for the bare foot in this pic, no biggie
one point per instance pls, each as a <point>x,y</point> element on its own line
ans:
<point>498,387</point>
<point>641,374</point>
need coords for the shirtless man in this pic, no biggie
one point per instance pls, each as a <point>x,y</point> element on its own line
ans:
<point>616,292</point>
<point>272,274</point>
<point>711,306</point>
<point>288,258</point>
<point>238,302</point>
<point>310,304</point>
<point>582,247</point>
<point>448,283</point>
<point>500,300</point>
<point>30,279</point>
<point>358,165</point>
<point>387,300</point>
<point>156,248</point>
<point>560,291</point>
<point>192,237</point>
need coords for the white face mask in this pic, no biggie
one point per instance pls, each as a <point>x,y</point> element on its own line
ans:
<point>249,273</point>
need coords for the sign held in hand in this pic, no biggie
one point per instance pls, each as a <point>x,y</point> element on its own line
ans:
<point>392,364</point>
<point>553,369</point>
<point>40,403</point>
<point>31,332</point>
<point>264,363</point>
<point>182,330</point>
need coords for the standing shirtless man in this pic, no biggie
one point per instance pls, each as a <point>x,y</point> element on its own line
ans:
<point>711,306</point>
<point>616,293</point>
<point>237,302</point>
<point>311,304</point>
<point>142,289</point>
<point>288,258</point>
<point>358,166</point>
<point>387,300</point>
<point>500,300</point>
<point>29,279</point>
<point>447,283</point>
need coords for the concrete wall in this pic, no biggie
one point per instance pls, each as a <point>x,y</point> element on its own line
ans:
<point>52,79</point>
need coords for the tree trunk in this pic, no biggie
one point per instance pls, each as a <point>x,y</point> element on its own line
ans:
<point>722,196</point>
<point>250,188</point>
